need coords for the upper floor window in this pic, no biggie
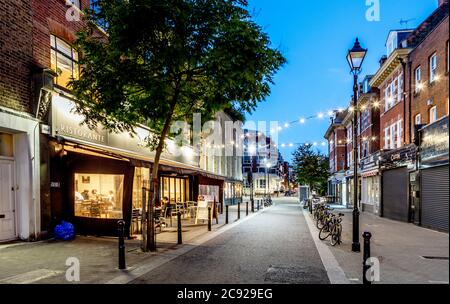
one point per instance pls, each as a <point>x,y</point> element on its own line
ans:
<point>418,119</point>
<point>418,79</point>
<point>365,148</point>
<point>433,114</point>
<point>433,67</point>
<point>64,61</point>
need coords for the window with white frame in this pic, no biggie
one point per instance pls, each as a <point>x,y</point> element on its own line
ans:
<point>392,138</point>
<point>418,119</point>
<point>433,114</point>
<point>400,87</point>
<point>433,67</point>
<point>399,133</point>
<point>418,79</point>
<point>64,61</point>
<point>386,138</point>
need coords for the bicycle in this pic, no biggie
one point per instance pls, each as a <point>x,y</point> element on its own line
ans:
<point>333,228</point>
<point>336,232</point>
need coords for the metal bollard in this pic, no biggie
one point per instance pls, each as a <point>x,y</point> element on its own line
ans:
<point>310,206</point>
<point>209,218</point>
<point>226,214</point>
<point>366,255</point>
<point>121,228</point>
<point>239,211</point>
<point>180,237</point>
<point>259,202</point>
<point>253,205</point>
<point>246,208</point>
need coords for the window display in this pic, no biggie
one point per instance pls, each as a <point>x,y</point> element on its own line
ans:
<point>99,195</point>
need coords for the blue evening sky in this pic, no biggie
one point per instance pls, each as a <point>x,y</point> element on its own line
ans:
<point>315,35</point>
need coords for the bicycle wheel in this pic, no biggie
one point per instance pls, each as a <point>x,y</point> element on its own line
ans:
<point>336,234</point>
<point>319,223</point>
<point>324,233</point>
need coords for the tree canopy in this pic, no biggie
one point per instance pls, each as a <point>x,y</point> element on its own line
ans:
<point>311,168</point>
<point>163,60</point>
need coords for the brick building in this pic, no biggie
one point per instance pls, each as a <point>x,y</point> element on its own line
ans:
<point>19,128</point>
<point>428,68</point>
<point>369,146</point>
<point>336,137</point>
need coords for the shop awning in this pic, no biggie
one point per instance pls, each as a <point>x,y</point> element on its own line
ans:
<point>142,161</point>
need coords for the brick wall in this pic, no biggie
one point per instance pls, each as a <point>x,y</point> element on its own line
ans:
<point>436,42</point>
<point>49,17</point>
<point>15,54</point>
<point>396,112</point>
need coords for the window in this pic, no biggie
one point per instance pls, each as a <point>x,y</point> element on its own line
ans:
<point>399,133</point>
<point>392,139</point>
<point>98,195</point>
<point>417,79</point>
<point>400,87</point>
<point>6,145</point>
<point>174,190</point>
<point>262,183</point>
<point>433,67</point>
<point>418,119</point>
<point>433,114</point>
<point>386,138</point>
<point>365,148</point>
<point>64,61</point>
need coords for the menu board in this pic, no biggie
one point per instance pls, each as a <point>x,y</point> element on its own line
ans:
<point>202,208</point>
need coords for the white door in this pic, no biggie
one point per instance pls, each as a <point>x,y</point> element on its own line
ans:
<point>7,218</point>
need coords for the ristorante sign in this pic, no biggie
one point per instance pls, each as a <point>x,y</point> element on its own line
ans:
<point>69,125</point>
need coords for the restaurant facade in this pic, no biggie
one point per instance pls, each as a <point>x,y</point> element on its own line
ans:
<point>95,178</point>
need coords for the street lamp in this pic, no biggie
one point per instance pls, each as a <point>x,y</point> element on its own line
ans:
<point>355,59</point>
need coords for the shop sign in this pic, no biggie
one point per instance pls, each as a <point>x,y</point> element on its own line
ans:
<point>435,143</point>
<point>399,157</point>
<point>371,162</point>
<point>69,125</point>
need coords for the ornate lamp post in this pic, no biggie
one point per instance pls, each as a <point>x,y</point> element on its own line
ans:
<point>355,59</point>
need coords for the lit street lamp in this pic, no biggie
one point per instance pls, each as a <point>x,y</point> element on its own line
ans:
<point>355,59</point>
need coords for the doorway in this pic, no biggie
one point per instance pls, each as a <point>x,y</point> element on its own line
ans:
<point>7,201</point>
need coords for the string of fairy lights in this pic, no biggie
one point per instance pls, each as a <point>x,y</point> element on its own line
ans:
<point>372,103</point>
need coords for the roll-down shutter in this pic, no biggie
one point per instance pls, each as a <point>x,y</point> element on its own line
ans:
<point>435,198</point>
<point>395,194</point>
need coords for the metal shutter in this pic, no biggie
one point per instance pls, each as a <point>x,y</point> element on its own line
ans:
<point>434,197</point>
<point>395,194</point>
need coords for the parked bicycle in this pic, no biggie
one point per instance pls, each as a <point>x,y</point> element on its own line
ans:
<point>332,227</point>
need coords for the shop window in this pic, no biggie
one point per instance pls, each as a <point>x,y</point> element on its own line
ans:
<point>99,195</point>
<point>141,180</point>
<point>174,189</point>
<point>64,61</point>
<point>6,145</point>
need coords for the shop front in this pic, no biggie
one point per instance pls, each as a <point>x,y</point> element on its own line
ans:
<point>396,167</point>
<point>336,189</point>
<point>232,192</point>
<point>370,184</point>
<point>97,178</point>
<point>433,206</point>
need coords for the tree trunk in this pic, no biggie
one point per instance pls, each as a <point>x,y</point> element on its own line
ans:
<point>154,180</point>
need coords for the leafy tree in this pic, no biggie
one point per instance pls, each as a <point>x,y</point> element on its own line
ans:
<point>164,60</point>
<point>311,168</point>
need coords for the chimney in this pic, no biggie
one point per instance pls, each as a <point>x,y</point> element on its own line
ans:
<point>383,59</point>
<point>441,2</point>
